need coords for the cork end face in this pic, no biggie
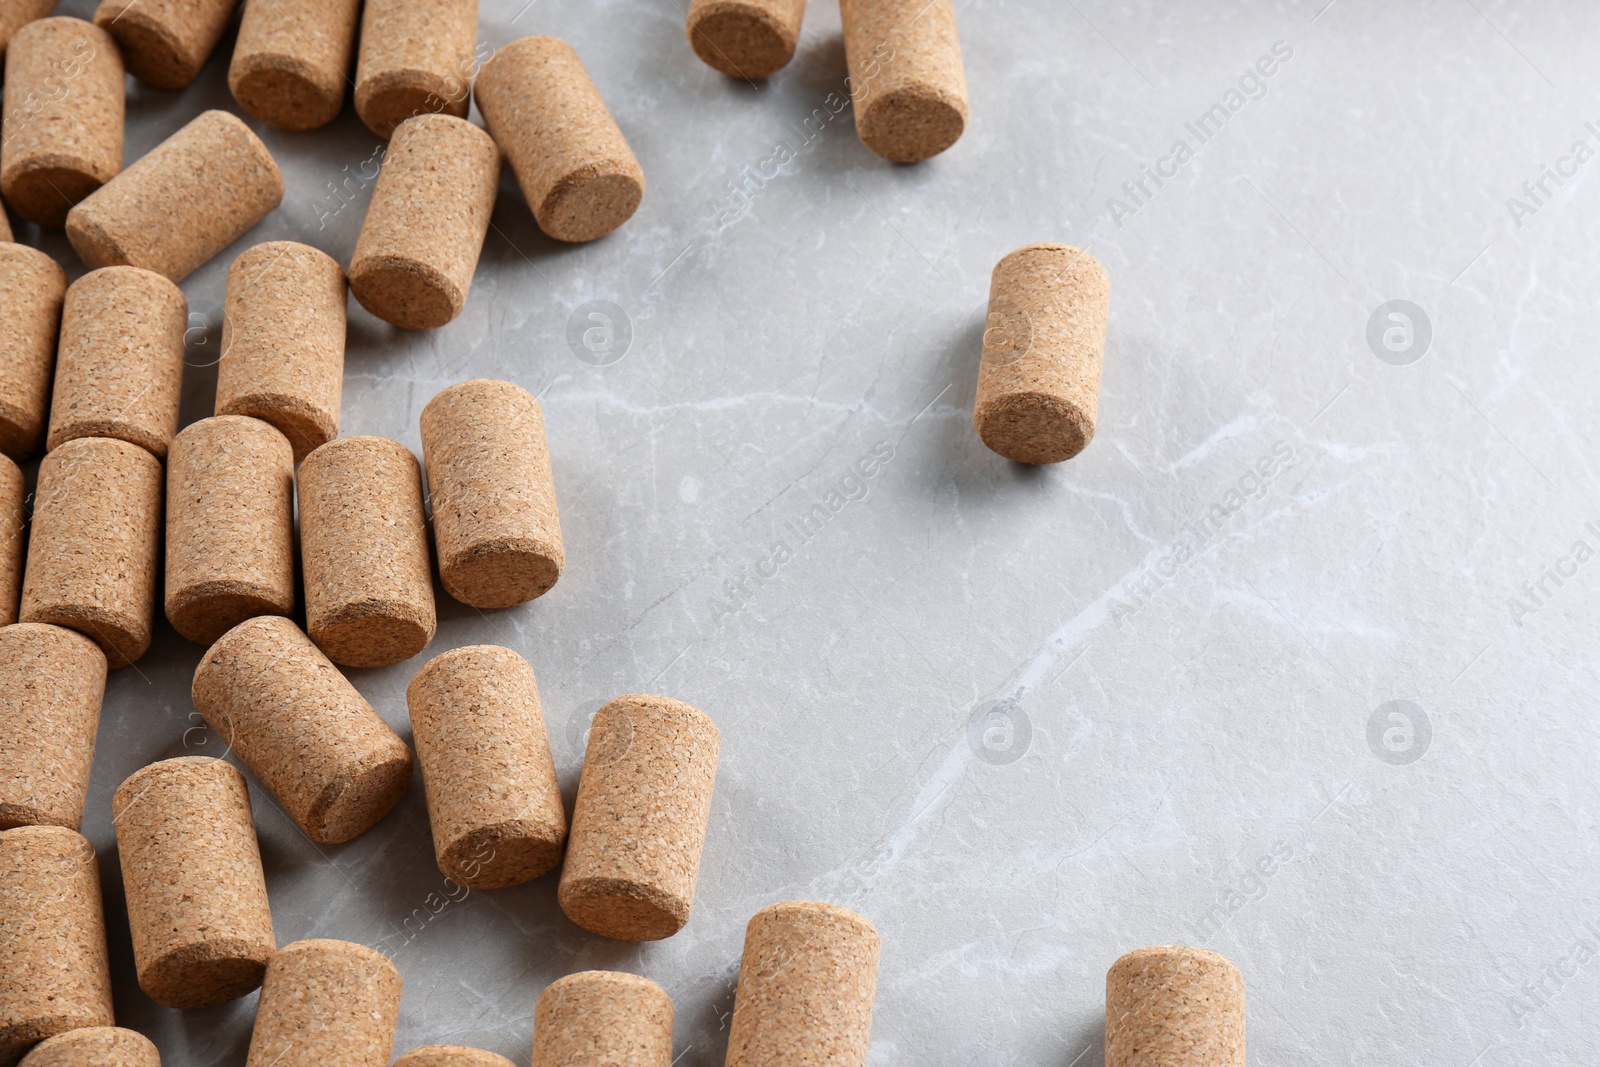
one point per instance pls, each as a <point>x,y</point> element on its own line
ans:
<point>18,1037</point>
<point>501,574</point>
<point>374,634</point>
<point>912,124</point>
<point>93,243</point>
<point>353,804</point>
<point>740,39</point>
<point>123,639</point>
<point>505,855</point>
<point>627,911</point>
<point>207,974</point>
<point>95,1046</point>
<point>388,100</point>
<point>284,92</point>
<point>44,191</point>
<point>587,206</point>
<point>149,52</point>
<point>1033,428</point>
<point>405,292</point>
<point>204,612</point>
<point>20,432</point>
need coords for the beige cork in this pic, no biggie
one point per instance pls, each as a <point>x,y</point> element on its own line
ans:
<point>32,287</point>
<point>494,499</point>
<point>63,117</point>
<point>574,166</point>
<point>1044,341</point>
<point>197,897</point>
<point>165,42</point>
<point>190,197</point>
<point>326,1004</point>
<point>95,545</point>
<point>301,728</point>
<point>416,59</point>
<point>640,819</point>
<point>451,1056</point>
<point>292,61</point>
<point>15,14</point>
<point>13,517</point>
<point>95,1046</point>
<point>364,547</point>
<point>52,682</point>
<point>602,1017</point>
<point>906,81</point>
<point>53,971</point>
<point>230,526</point>
<point>745,38</point>
<point>119,371</point>
<point>806,983</point>
<point>5,225</point>
<point>1173,1006</point>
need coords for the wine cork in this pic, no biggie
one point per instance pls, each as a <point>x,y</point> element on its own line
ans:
<point>165,42</point>
<point>15,14</point>
<point>95,1046</point>
<point>806,983</point>
<point>292,60</point>
<point>572,162</point>
<point>197,897</point>
<point>53,971</point>
<point>424,229</point>
<point>364,547</point>
<point>13,518</point>
<point>52,682</point>
<point>906,81</point>
<point>190,197</point>
<point>230,526</point>
<point>5,225</point>
<point>745,38</point>
<point>301,728</point>
<point>96,540</point>
<point>326,1004</point>
<point>119,371</point>
<point>451,1056</point>
<point>1039,381</point>
<point>1172,1006</point>
<point>639,823</point>
<point>63,117</point>
<point>416,59</point>
<point>609,1017</point>
<point>32,288</point>
<point>494,500</point>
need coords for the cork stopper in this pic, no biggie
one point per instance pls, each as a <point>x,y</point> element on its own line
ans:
<point>906,80</point>
<point>301,728</point>
<point>32,288</point>
<point>416,59</point>
<point>745,38</point>
<point>326,1004</point>
<point>63,119</point>
<point>95,1046</point>
<point>494,500</point>
<point>1173,1006</point>
<point>806,983</point>
<point>5,225</point>
<point>596,1017</point>
<point>96,540</point>
<point>572,162</point>
<point>292,60</point>
<point>15,14</point>
<point>640,819</point>
<point>13,517</point>
<point>493,798</point>
<point>451,1056</point>
<point>197,897</point>
<point>190,197</point>
<point>165,42</point>
<point>52,682</point>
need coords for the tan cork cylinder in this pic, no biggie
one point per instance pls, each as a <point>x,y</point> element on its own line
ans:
<point>119,370</point>
<point>416,59</point>
<point>54,976</point>
<point>95,1046</point>
<point>639,823</point>
<point>493,799</point>
<point>806,984</point>
<point>292,60</point>
<point>197,897</point>
<point>32,288</point>
<point>165,42</point>
<point>602,1017</point>
<point>494,499</point>
<point>230,526</point>
<point>1172,1006</point>
<point>13,518</point>
<point>745,38</point>
<point>5,225</point>
<point>451,1056</point>
<point>190,197</point>
<point>15,14</point>
<point>301,728</point>
<point>364,549</point>
<point>52,682</point>
<point>63,117</point>
<point>1043,345</point>
<point>326,1004</point>
<point>574,166</point>
<point>906,80</point>
<point>95,545</point>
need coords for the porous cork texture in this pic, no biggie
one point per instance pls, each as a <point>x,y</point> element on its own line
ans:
<point>451,1056</point>
<point>52,683</point>
<point>745,38</point>
<point>13,517</point>
<point>63,117</point>
<point>1173,1006</point>
<point>602,1017</point>
<point>119,370</point>
<point>230,526</point>
<point>806,985</point>
<point>15,14</point>
<point>639,823</point>
<point>32,288</point>
<point>190,197</point>
<point>283,334</point>
<point>906,80</point>
<point>165,42</point>
<point>5,225</point>
<point>95,545</point>
<point>495,522</point>
<point>301,728</point>
<point>197,897</point>
<point>292,60</point>
<point>1043,345</point>
<point>493,799</point>
<point>574,166</point>
<point>53,971</point>
<point>95,1046</point>
<point>326,1004</point>
<point>416,59</point>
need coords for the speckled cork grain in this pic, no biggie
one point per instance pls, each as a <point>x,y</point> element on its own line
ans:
<point>52,683</point>
<point>416,59</point>
<point>745,38</point>
<point>907,83</point>
<point>1173,1006</point>
<point>165,42</point>
<point>602,1017</point>
<point>326,1004</point>
<point>451,1056</point>
<point>291,63</point>
<point>32,288</point>
<point>95,1046</point>
<point>13,519</point>
<point>15,14</point>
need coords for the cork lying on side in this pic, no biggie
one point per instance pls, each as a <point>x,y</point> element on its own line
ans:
<point>13,520</point>
<point>16,14</point>
<point>165,42</point>
<point>95,1046</point>
<point>32,288</point>
<point>1173,1006</point>
<point>451,1056</point>
<point>326,1004</point>
<point>908,86</point>
<point>608,1017</point>
<point>52,683</point>
<point>745,38</point>
<point>416,59</point>
<point>292,60</point>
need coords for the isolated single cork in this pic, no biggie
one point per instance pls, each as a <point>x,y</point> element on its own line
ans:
<point>301,728</point>
<point>906,80</point>
<point>52,683</point>
<point>745,38</point>
<point>806,984</point>
<point>1173,1006</point>
<point>292,60</point>
<point>95,545</point>
<point>364,549</point>
<point>451,1056</point>
<point>416,59</point>
<point>639,822</point>
<point>63,117</point>
<point>574,166</point>
<point>190,197</point>
<point>165,42</point>
<point>494,499</point>
<point>15,14</point>
<point>13,519</point>
<point>602,1017</point>
<point>326,1004</point>
<point>95,1046</point>
<point>32,288</point>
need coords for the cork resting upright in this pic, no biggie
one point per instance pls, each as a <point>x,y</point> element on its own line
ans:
<point>1173,1006</point>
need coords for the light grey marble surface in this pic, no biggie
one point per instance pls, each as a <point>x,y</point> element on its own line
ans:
<point>1026,720</point>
